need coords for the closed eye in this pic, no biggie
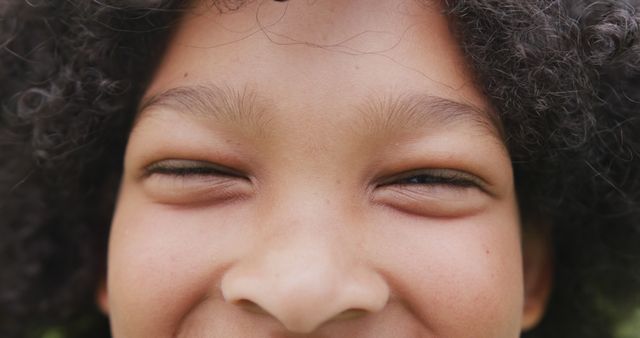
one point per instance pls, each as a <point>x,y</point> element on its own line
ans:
<point>435,177</point>
<point>194,183</point>
<point>433,193</point>
<point>190,168</point>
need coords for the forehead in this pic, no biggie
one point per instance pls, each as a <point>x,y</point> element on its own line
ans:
<point>312,58</point>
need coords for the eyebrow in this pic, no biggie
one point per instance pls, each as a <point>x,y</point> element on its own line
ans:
<point>223,104</point>
<point>412,111</point>
<point>386,113</point>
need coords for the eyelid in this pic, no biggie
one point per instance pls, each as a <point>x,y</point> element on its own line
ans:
<point>446,193</point>
<point>174,166</point>
<point>444,173</point>
<point>193,183</point>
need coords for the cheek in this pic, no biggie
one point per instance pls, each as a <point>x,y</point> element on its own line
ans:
<point>460,275</point>
<point>454,275</point>
<point>162,261</point>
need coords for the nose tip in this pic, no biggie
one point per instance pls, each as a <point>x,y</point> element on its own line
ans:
<point>302,297</point>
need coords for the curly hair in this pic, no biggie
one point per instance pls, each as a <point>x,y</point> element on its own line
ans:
<point>564,77</point>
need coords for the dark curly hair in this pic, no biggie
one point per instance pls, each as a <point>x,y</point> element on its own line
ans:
<point>564,77</point>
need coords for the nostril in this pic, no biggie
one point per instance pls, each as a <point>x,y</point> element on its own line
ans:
<point>350,314</point>
<point>304,290</point>
<point>250,306</point>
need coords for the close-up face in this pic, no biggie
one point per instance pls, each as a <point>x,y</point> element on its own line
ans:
<point>317,169</point>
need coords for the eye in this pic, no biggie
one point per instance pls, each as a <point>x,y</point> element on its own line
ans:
<point>433,192</point>
<point>189,168</point>
<point>435,177</point>
<point>193,182</point>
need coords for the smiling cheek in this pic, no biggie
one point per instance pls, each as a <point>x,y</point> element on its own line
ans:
<point>456,275</point>
<point>164,261</point>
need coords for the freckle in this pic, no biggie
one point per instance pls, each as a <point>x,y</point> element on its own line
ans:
<point>186,74</point>
<point>487,251</point>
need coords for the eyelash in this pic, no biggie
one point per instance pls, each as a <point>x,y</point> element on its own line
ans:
<point>185,171</point>
<point>433,177</point>
<point>444,177</point>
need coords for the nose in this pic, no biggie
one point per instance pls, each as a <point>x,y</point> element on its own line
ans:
<point>304,280</point>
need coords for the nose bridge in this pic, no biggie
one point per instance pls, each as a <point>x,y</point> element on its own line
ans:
<point>302,272</point>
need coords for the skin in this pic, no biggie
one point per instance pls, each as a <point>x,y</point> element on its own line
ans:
<point>313,206</point>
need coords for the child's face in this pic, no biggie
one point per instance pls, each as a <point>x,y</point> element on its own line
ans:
<point>323,168</point>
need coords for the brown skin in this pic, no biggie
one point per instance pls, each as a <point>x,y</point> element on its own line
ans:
<point>317,229</point>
